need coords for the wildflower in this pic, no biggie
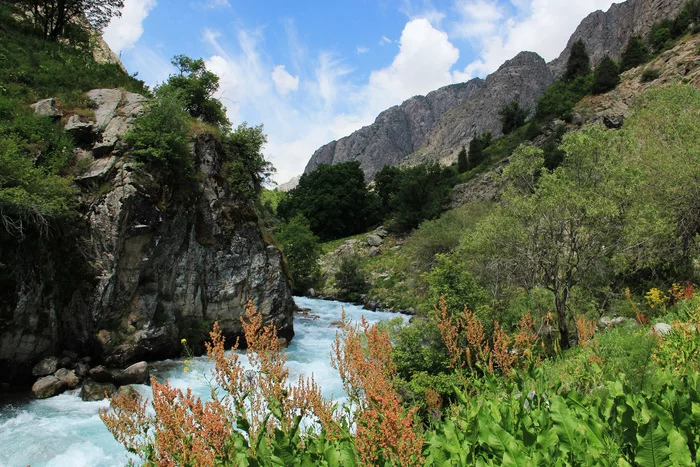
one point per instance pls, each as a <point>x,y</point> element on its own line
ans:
<point>183,341</point>
<point>187,369</point>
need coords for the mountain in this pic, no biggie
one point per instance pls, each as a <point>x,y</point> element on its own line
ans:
<point>436,126</point>
<point>396,133</point>
<point>607,33</point>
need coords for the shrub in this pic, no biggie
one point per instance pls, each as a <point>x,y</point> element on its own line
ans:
<point>560,98</point>
<point>636,53</point>
<point>451,279</point>
<point>606,76</point>
<point>350,279</point>
<point>301,250</point>
<point>159,136</point>
<point>245,166</point>
<point>512,117</point>
<point>650,74</point>
<point>660,35</point>
<point>477,146</point>
<point>462,164</point>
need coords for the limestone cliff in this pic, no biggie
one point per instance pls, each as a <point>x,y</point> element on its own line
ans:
<point>396,133</point>
<point>149,265</point>
<point>607,33</point>
<point>522,79</point>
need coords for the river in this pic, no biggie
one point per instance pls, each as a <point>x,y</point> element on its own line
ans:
<point>65,431</point>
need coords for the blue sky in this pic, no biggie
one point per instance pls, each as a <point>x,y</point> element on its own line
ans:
<point>314,71</point>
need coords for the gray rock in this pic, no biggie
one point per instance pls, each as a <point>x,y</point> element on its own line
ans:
<point>374,240</point>
<point>605,322</point>
<point>82,132</point>
<point>81,369</point>
<point>282,342</point>
<point>93,391</point>
<point>46,108</point>
<point>373,251</point>
<point>128,392</point>
<point>98,170</point>
<point>311,293</point>
<point>577,119</point>
<point>68,378</point>
<point>47,366</point>
<point>381,231</point>
<point>48,386</point>
<point>614,122</point>
<point>101,374</point>
<point>661,329</point>
<point>65,362</point>
<point>134,374</point>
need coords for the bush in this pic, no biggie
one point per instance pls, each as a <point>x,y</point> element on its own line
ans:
<point>245,165</point>
<point>660,35</point>
<point>560,98</point>
<point>512,117</point>
<point>159,136</point>
<point>301,250</point>
<point>606,76</point>
<point>462,164</point>
<point>636,53</point>
<point>452,279</point>
<point>350,279</point>
<point>650,74</point>
<point>477,146</point>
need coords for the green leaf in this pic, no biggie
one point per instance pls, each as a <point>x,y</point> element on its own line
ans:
<point>653,448</point>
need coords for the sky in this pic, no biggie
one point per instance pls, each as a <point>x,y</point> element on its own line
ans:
<point>313,71</point>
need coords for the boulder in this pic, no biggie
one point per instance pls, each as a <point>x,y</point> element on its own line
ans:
<point>81,369</point>
<point>68,378</point>
<point>100,374</point>
<point>311,293</point>
<point>381,232</point>
<point>82,132</point>
<point>374,240</point>
<point>661,329</point>
<point>135,374</point>
<point>65,362</point>
<point>129,392</point>
<point>46,108</point>
<point>93,391</point>
<point>47,366</point>
<point>48,386</point>
<point>614,122</point>
<point>282,342</point>
<point>374,251</point>
<point>98,169</point>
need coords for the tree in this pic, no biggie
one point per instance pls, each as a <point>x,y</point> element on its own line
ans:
<point>660,35</point>
<point>462,164</point>
<point>335,200</point>
<point>52,17</point>
<point>513,117</point>
<point>198,85</point>
<point>579,63</point>
<point>245,165</point>
<point>350,279</point>
<point>636,53</point>
<point>476,149</point>
<point>606,76</point>
<point>301,250</point>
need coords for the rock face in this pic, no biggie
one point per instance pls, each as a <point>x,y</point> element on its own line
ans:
<point>522,79</point>
<point>608,33</point>
<point>396,133</point>
<point>150,266</point>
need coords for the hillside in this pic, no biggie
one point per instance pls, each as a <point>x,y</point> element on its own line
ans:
<point>408,134</point>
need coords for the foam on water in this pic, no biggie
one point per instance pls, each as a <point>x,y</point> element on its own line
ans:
<point>65,431</point>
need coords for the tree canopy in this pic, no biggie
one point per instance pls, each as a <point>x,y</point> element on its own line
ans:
<point>52,17</point>
<point>606,76</point>
<point>579,63</point>
<point>513,117</point>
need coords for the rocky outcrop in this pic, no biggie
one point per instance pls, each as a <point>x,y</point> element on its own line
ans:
<point>522,79</point>
<point>607,33</point>
<point>147,265</point>
<point>396,133</point>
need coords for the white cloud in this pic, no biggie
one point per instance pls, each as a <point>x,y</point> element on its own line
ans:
<point>541,26</point>
<point>479,18</point>
<point>284,82</point>
<point>385,40</point>
<point>123,32</point>
<point>362,50</point>
<point>417,9</point>
<point>217,3</point>
<point>423,64</point>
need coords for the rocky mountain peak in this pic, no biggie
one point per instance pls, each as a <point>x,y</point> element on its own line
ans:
<point>607,33</point>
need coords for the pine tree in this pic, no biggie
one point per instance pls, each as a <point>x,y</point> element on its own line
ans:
<point>513,117</point>
<point>634,55</point>
<point>462,163</point>
<point>579,63</point>
<point>606,76</point>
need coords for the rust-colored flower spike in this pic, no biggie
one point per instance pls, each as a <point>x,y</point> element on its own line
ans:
<point>386,433</point>
<point>502,356</point>
<point>586,330</point>
<point>525,338</point>
<point>450,332</point>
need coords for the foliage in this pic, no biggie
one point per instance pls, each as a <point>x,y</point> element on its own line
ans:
<point>159,136</point>
<point>560,98</point>
<point>660,35</point>
<point>512,117</point>
<point>579,63</point>
<point>650,74</point>
<point>636,53</point>
<point>606,76</point>
<point>451,279</point>
<point>197,85</point>
<point>335,200</point>
<point>54,17</point>
<point>414,194</point>
<point>301,251</point>
<point>245,165</point>
<point>462,164</point>
<point>350,279</point>
<point>477,146</point>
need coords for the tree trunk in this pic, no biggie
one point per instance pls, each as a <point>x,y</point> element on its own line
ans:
<point>560,297</point>
<point>60,24</point>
